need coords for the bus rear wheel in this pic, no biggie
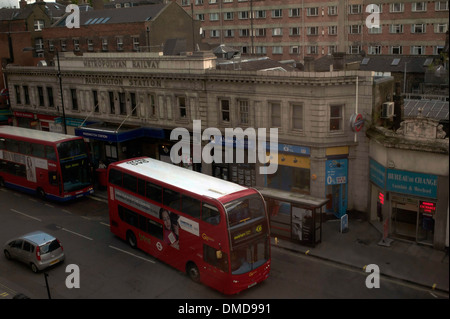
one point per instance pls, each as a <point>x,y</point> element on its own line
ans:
<point>40,192</point>
<point>192,272</point>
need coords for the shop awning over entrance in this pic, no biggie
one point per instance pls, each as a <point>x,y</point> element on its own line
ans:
<point>112,134</point>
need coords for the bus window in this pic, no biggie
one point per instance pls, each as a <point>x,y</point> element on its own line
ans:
<point>210,256</point>
<point>24,148</point>
<point>37,150</point>
<point>172,199</point>
<point>50,153</point>
<point>155,229</point>
<point>154,192</point>
<point>244,209</point>
<point>141,187</point>
<point>52,178</point>
<point>115,177</point>
<point>12,146</point>
<point>130,182</point>
<point>2,143</point>
<point>210,214</point>
<point>190,206</point>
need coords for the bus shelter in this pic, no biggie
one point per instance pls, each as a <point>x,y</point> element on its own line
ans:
<point>294,216</point>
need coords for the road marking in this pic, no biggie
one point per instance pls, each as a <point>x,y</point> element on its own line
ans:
<point>126,252</point>
<point>66,211</point>
<point>48,205</point>
<point>104,224</point>
<point>4,294</point>
<point>16,211</point>
<point>75,233</point>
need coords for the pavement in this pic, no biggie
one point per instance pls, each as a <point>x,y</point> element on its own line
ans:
<point>362,245</point>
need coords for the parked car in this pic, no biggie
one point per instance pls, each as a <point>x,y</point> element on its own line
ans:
<point>38,249</point>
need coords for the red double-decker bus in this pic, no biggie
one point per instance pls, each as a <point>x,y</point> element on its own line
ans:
<point>216,231</point>
<point>53,166</point>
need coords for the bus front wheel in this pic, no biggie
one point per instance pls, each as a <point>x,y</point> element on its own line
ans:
<point>193,272</point>
<point>40,192</point>
<point>131,239</point>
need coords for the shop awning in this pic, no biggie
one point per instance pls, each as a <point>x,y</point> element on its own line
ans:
<point>111,134</point>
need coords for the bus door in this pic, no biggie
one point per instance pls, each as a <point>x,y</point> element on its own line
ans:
<point>215,269</point>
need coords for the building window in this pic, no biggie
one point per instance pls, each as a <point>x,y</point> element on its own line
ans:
<point>294,32</point>
<point>374,49</point>
<point>228,16</point>
<point>332,49</point>
<point>277,50</point>
<point>135,43</point>
<point>354,29</point>
<point>63,45</point>
<point>225,110</point>
<point>214,16</point>
<point>51,46</point>
<point>51,99</point>
<point>275,114</point>
<point>312,49</point>
<point>112,105</point>
<point>260,14</point>
<point>133,104</point>
<point>375,30</point>
<point>243,112</point>
<point>418,28</point>
<point>260,32</point>
<point>76,45</point>
<point>336,118</point>
<point>200,16</point>
<point>41,96</point>
<point>277,13</point>
<point>332,10</point>
<point>17,91</point>
<point>119,44</point>
<point>312,12</point>
<point>396,28</point>
<point>294,49</point>
<point>122,104</point>
<point>229,33</point>
<point>396,7</point>
<point>182,107</point>
<point>26,94</point>
<point>95,98</point>
<point>417,50</point>
<point>354,9</point>
<point>260,49</point>
<point>214,33</point>
<point>73,95</point>
<point>38,25</point>
<point>276,32</point>
<point>419,6</point>
<point>396,49</point>
<point>243,14</point>
<point>354,49</point>
<point>440,28</point>
<point>441,6</point>
<point>244,32</point>
<point>90,44</point>
<point>312,30</point>
<point>297,117</point>
<point>39,44</point>
<point>152,105</point>
<point>332,30</point>
<point>104,44</point>
<point>294,12</point>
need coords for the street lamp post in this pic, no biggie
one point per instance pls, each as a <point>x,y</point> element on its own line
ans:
<point>61,92</point>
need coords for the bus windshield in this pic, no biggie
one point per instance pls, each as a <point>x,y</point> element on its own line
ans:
<point>76,174</point>
<point>70,149</point>
<point>244,210</point>
<point>248,257</point>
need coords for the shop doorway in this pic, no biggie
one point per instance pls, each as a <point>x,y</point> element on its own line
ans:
<point>411,221</point>
<point>337,195</point>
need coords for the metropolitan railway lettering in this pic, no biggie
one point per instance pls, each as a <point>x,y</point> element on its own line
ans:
<point>121,64</point>
<point>117,81</point>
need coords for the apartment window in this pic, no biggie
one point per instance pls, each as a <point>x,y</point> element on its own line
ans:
<point>294,49</point>
<point>133,104</point>
<point>212,1</point>
<point>276,32</point>
<point>41,95</point>
<point>294,12</point>
<point>39,44</point>
<point>122,104</point>
<point>312,30</point>
<point>295,31</point>
<point>354,49</point>
<point>104,44</point>
<point>76,45</point>
<point>243,15</point>
<point>396,28</point>
<point>119,43</point>
<point>354,9</point>
<point>244,32</point>
<point>418,28</point>
<point>332,30</point>
<point>185,2</point>
<point>26,94</point>
<point>312,12</point>
<point>51,99</point>
<point>277,13</point>
<point>275,113</point>
<point>214,16</point>
<point>396,7</point>
<point>336,118</point>
<point>332,49</point>
<point>277,50</point>
<point>354,29</point>
<point>297,117</point>
<point>260,14</point>
<point>440,28</point>
<point>73,96</point>
<point>214,33</point>
<point>419,6</point>
<point>51,46</point>
<point>260,49</point>
<point>197,2</point>
<point>225,110</point>
<point>260,32</point>
<point>229,33</point>
<point>375,30</point>
<point>332,10</point>
<point>200,16</point>
<point>63,45</point>
<point>374,49</point>
<point>135,43</point>
<point>243,111</point>
<point>152,105</point>
<point>312,49</point>
<point>441,5</point>
<point>417,50</point>
<point>112,104</point>
<point>396,49</point>
<point>38,25</point>
<point>90,45</point>
<point>228,16</point>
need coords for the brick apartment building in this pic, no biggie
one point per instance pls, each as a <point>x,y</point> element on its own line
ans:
<point>143,28</point>
<point>294,29</point>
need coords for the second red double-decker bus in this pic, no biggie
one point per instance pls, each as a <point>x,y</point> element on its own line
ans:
<point>215,230</point>
<point>54,166</point>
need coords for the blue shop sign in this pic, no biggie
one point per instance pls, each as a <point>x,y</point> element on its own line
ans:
<point>336,171</point>
<point>423,185</point>
<point>290,149</point>
<point>377,173</point>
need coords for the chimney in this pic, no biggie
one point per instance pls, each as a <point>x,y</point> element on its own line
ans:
<point>338,61</point>
<point>22,4</point>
